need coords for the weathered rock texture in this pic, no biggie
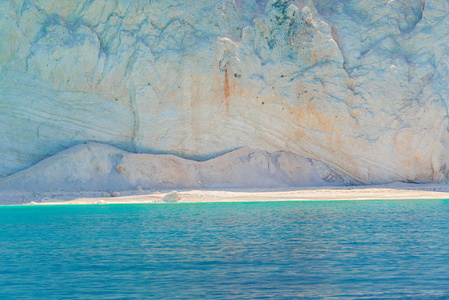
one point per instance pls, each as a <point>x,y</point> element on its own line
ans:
<point>97,167</point>
<point>359,85</point>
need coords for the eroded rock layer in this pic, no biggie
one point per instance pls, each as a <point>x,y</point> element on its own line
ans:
<point>359,85</point>
<point>98,167</point>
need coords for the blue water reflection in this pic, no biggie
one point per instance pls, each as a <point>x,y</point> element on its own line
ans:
<point>346,249</point>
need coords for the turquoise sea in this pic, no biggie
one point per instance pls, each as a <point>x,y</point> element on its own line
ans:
<point>283,250</point>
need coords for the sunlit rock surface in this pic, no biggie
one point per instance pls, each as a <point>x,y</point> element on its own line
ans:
<point>98,167</point>
<point>361,86</point>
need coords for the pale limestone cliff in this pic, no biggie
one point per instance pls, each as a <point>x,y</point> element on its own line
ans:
<point>358,85</point>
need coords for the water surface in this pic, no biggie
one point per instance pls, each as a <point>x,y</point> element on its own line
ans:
<point>284,250</point>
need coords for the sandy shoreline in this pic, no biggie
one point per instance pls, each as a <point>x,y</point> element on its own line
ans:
<point>377,192</point>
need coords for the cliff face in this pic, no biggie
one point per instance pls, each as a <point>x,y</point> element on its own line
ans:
<point>358,85</point>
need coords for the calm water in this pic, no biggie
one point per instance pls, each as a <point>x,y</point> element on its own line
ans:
<point>371,249</point>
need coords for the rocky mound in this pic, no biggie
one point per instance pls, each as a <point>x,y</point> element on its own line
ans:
<point>98,167</point>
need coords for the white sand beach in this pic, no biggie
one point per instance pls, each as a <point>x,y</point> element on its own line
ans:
<point>374,192</point>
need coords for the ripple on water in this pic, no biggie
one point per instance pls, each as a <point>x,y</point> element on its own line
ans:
<point>346,249</point>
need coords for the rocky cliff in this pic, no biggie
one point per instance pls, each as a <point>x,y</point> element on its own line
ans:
<point>359,85</point>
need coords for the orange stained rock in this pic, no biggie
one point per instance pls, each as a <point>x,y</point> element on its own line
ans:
<point>227,89</point>
<point>310,117</point>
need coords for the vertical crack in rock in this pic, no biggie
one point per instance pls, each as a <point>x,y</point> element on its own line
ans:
<point>227,71</point>
<point>132,101</point>
<point>334,34</point>
<point>226,87</point>
<point>135,127</point>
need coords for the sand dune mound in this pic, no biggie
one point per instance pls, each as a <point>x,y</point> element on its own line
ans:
<point>99,167</point>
